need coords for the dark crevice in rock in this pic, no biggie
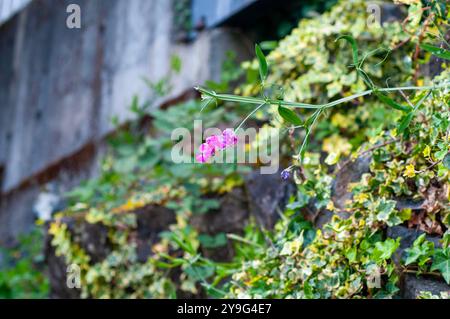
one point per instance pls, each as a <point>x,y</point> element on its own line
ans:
<point>267,195</point>
<point>412,286</point>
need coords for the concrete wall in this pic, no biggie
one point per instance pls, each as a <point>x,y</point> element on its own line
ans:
<point>60,87</point>
<point>214,12</point>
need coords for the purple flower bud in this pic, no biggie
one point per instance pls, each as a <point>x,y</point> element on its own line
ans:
<point>285,174</point>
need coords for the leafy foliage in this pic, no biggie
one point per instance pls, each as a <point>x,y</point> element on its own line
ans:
<point>22,273</point>
<point>406,144</point>
<point>407,153</point>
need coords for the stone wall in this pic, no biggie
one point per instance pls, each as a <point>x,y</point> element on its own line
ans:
<point>60,87</point>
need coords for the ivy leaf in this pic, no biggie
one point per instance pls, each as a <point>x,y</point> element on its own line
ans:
<point>436,51</point>
<point>441,262</point>
<point>263,68</point>
<point>387,212</point>
<point>420,251</point>
<point>390,102</point>
<point>446,161</point>
<point>289,116</point>
<point>384,250</point>
<point>213,241</point>
<point>351,254</point>
<point>412,255</point>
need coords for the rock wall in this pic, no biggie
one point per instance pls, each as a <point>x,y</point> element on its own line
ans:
<point>235,209</point>
<point>60,87</point>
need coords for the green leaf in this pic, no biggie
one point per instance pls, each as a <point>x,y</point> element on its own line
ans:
<point>420,252</point>
<point>446,239</point>
<point>387,213</point>
<point>438,52</point>
<point>308,290</point>
<point>441,262</point>
<point>357,64</point>
<point>406,120</point>
<point>384,250</point>
<point>351,254</point>
<point>263,68</point>
<point>213,241</point>
<point>412,255</point>
<point>440,155</point>
<point>390,102</point>
<point>289,116</point>
<point>175,63</point>
<point>354,45</point>
<point>268,45</point>
<point>446,161</point>
<point>199,273</point>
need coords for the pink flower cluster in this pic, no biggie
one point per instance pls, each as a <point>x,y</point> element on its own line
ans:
<point>216,143</point>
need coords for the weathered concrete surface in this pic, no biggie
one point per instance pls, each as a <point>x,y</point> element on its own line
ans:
<point>16,207</point>
<point>214,12</point>
<point>60,87</point>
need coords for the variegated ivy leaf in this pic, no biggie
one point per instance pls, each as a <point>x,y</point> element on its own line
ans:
<point>441,262</point>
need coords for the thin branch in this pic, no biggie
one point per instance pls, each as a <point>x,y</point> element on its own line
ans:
<point>430,167</point>
<point>369,150</point>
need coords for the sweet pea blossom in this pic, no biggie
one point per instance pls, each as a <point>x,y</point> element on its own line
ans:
<point>229,137</point>
<point>215,143</point>
<point>206,151</point>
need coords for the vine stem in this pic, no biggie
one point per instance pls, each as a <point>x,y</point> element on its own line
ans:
<point>308,132</point>
<point>413,271</point>
<point>319,108</point>
<point>263,101</point>
<point>249,115</point>
<point>431,166</point>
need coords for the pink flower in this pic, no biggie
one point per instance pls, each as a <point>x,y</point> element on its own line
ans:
<point>206,151</point>
<point>216,141</point>
<point>229,137</point>
<point>201,158</point>
<point>205,148</point>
